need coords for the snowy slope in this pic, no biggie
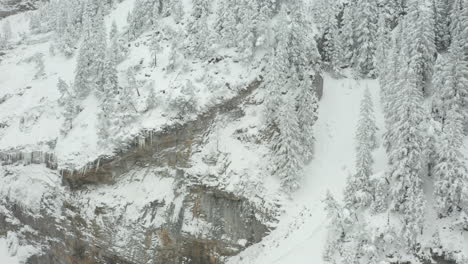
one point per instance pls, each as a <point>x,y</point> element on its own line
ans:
<point>301,231</point>
<point>31,119</point>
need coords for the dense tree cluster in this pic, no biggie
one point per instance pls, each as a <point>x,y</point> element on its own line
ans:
<point>417,49</point>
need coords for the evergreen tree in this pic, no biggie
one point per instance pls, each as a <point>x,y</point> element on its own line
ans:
<point>142,17</point>
<point>406,158</point>
<point>68,102</point>
<point>453,81</point>
<point>325,15</point>
<point>347,33</point>
<point>287,152</point>
<point>450,172</point>
<point>421,40</point>
<point>91,57</point>
<point>442,22</point>
<point>459,24</point>
<point>282,119</point>
<point>151,100</point>
<point>358,192</point>
<point>366,36</point>
<point>225,24</point>
<point>382,46</point>
<point>197,42</point>
<point>307,115</point>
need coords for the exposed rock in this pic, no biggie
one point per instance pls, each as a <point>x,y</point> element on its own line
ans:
<point>184,221</point>
<point>11,7</point>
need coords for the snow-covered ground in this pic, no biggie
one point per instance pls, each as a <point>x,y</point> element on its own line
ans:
<point>301,232</point>
<point>31,119</point>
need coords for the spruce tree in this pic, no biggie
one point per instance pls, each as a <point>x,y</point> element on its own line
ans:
<point>67,101</point>
<point>142,17</point>
<point>287,159</point>
<point>406,158</point>
<point>347,34</point>
<point>358,192</point>
<point>382,47</point>
<point>307,115</point>
<point>91,56</point>
<point>325,16</point>
<point>453,78</point>
<point>421,40</point>
<point>198,42</point>
<point>366,36</point>
<point>450,172</point>
<point>442,22</point>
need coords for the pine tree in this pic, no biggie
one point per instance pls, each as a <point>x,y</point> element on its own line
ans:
<point>325,15</point>
<point>68,102</point>
<point>302,51</point>
<point>366,36</point>
<point>197,42</point>
<point>283,121</point>
<point>151,100</point>
<point>68,27</point>
<point>226,22</point>
<point>406,158</point>
<point>382,46</point>
<point>142,17</point>
<point>421,40</point>
<point>307,115</point>
<point>450,172</point>
<point>453,81</point>
<point>442,22</point>
<point>347,34</point>
<point>338,217</point>
<point>392,82</point>
<point>287,152</point>
<point>92,53</point>
<point>358,192</point>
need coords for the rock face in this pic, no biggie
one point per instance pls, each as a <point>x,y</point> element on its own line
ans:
<point>140,206</point>
<point>11,7</point>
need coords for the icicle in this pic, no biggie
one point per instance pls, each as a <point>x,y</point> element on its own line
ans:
<point>98,163</point>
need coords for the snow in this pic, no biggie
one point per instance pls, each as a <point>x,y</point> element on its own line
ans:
<point>33,119</point>
<point>12,253</point>
<point>14,180</point>
<point>301,232</point>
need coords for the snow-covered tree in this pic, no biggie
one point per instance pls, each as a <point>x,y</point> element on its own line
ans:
<point>450,172</point>
<point>339,223</point>
<point>358,192</point>
<point>151,100</point>
<point>421,40</point>
<point>68,102</point>
<point>407,157</point>
<point>287,156</point>
<point>198,42</point>
<point>92,53</point>
<point>347,34</point>
<point>68,26</point>
<point>283,121</point>
<point>307,115</point>
<point>143,15</point>
<point>226,22</point>
<point>392,81</point>
<point>459,21</point>
<point>366,36</point>
<point>382,46</point>
<point>325,15</point>
<point>442,22</point>
<point>452,81</point>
